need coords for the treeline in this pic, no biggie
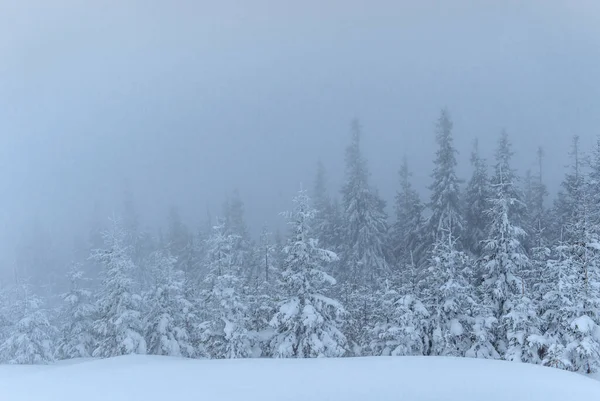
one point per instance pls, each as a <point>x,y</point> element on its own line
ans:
<point>483,269</point>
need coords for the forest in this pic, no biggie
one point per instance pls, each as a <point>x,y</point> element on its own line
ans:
<point>489,266</point>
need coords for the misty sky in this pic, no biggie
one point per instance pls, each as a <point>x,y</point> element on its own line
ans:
<point>187,100</point>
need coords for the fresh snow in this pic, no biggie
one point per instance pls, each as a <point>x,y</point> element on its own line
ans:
<point>150,378</point>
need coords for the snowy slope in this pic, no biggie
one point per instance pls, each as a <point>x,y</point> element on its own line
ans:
<point>354,379</point>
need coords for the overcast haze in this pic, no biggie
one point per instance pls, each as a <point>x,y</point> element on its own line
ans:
<point>188,100</point>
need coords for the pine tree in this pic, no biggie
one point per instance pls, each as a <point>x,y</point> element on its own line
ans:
<point>77,332</point>
<point>572,303</point>
<point>401,326</point>
<point>31,340</point>
<point>234,226</point>
<point>565,205</point>
<point>407,230</point>
<point>446,217</point>
<point>307,321</point>
<point>119,325</point>
<point>571,330</point>
<point>262,293</point>
<point>364,254</point>
<point>476,202</point>
<point>483,327</point>
<point>593,186</point>
<point>522,323</point>
<point>228,337</point>
<point>504,258</point>
<point>448,298</point>
<point>169,309</point>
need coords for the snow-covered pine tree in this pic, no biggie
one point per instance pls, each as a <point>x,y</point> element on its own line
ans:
<point>476,203</point>
<point>572,305</point>
<point>522,324</point>
<point>169,309</point>
<point>31,340</point>
<point>565,204</point>
<point>77,338</point>
<point>483,327</point>
<point>537,225</point>
<point>593,186</point>
<point>366,227</point>
<point>504,259</point>
<point>180,243</point>
<point>262,293</point>
<point>401,326</point>
<point>234,225</point>
<point>448,297</point>
<point>307,321</point>
<point>446,215</point>
<point>570,318</point>
<point>364,249</point>
<point>119,325</point>
<point>364,259</point>
<point>323,229</point>
<point>407,231</point>
<point>228,335</point>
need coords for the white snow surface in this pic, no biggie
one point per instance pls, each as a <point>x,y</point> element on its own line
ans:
<point>153,378</point>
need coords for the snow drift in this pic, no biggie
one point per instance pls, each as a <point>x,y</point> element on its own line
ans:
<point>151,378</point>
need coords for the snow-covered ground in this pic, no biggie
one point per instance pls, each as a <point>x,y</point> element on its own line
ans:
<point>151,378</point>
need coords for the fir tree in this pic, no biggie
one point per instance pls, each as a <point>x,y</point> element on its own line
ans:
<point>307,321</point>
<point>228,336</point>
<point>77,333</point>
<point>364,254</point>
<point>407,230</point>
<point>476,202</point>
<point>446,215</point>
<point>169,310</point>
<point>401,327</point>
<point>448,298</point>
<point>119,326</point>
<point>31,340</point>
<point>504,258</point>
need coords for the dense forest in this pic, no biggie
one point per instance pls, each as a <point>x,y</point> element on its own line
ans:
<point>486,267</point>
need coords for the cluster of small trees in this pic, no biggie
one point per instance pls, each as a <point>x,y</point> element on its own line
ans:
<point>484,270</point>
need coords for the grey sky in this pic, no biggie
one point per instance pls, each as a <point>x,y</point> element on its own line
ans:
<point>187,100</point>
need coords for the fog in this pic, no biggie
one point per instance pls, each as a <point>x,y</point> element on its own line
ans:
<point>182,102</point>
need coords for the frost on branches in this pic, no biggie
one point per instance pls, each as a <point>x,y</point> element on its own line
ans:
<point>307,321</point>
<point>119,325</point>
<point>77,333</point>
<point>169,309</point>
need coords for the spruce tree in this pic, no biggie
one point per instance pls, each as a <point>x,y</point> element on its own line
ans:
<point>77,338</point>
<point>364,254</point>
<point>407,231</point>
<point>446,215</point>
<point>572,302</point>
<point>476,203</point>
<point>228,335</point>
<point>448,297</point>
<point>119,324</point>
<point>504,259</point>
<point>169,310</point>
<point>32,338</point>
<point>401,325</point>
<point>307,321</point>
